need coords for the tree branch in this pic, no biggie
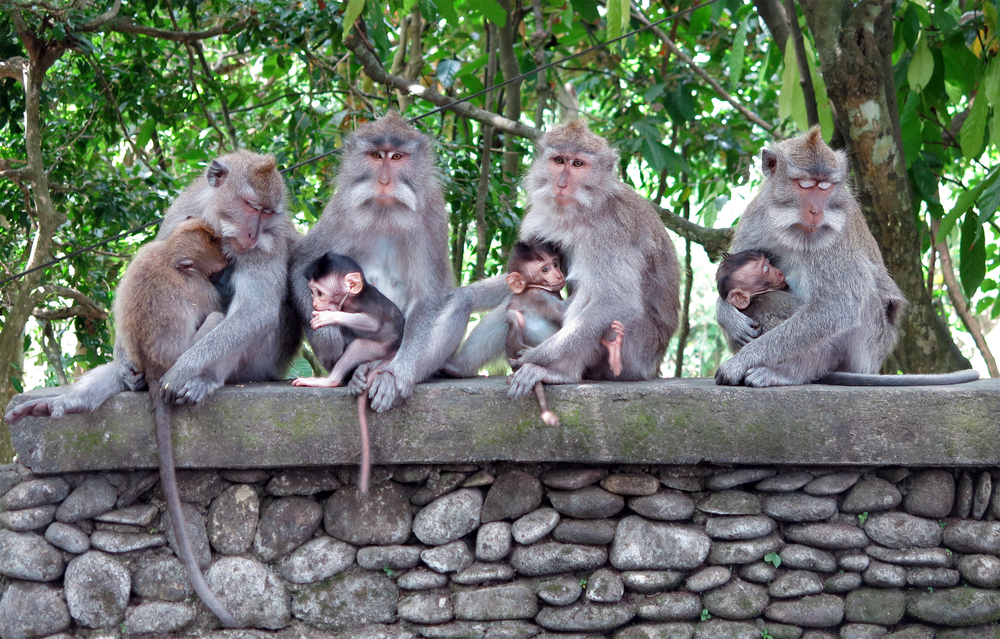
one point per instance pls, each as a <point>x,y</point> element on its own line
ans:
<point>715,241</point>
<point>102,19</point>
<point>124,24</point>
<point>71,294</point>
<point>13,68</point>
<point>77,310</point>
<point>701,73</point>
<point>805,78</point>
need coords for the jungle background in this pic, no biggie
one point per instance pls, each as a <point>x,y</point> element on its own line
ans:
<point>107,110</point>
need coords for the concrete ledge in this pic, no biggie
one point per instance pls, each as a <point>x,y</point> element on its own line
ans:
<point>672,421</point>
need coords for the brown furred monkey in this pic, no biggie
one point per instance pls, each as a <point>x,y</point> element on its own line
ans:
<point>164,304</point>
<point>806,217</point>
<point>371,325</point>
<point>388,215</point>
<point>750,282</point>
<point>243,198</point>
<point>535,311</point>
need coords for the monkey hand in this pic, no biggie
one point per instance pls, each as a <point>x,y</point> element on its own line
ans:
<point>54,407</point>
<point>731,372</point>
<point>326,318</point>
<point>359,381</point>
<point>522,381</point>
<point>133,378</point>
<point>738,327</point>
<point>181,386</point>
<point>389,390</point>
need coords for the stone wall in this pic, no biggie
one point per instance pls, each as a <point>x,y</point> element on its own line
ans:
<point>508,550</point>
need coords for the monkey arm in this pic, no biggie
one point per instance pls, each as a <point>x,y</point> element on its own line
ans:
<point>433,331</point>
<point>738,328</point>
<point>327,342</point>
<point>355,321</point>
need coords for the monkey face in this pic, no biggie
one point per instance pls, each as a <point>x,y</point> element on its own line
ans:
<point>329,292</point>
<point>569,173</point>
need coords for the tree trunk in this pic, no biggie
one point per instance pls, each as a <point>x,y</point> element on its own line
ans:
<point>849,42</point>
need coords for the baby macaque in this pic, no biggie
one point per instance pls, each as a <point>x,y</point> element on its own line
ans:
<point>371,324</point>
<point>744,278</point>
<point>535,312</point>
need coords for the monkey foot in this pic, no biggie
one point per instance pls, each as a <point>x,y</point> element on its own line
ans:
<point>317,382</point>
<point>550,418</point>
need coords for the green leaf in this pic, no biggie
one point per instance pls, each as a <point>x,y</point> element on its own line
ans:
<point>909,124</point>
<point>300,368</point>
<point>655,154</point>
<point>145,133</point>
<point>446,71</point>
<point>614,19</point>
<point>587,10</point>
<point>972,267</point>
<point>654,92</point>
<point>965,202</point>
<point>489,8</point>
<point>990,84</point>
<point>995,128</point>
<point>990,13</point>
<point>791,102</point>
<point>921,66</point>
<point>351,13</point>
<point>447,9</point>
<point>736,55</point>
<point>700,19</point>
<point>823,109</point>
<point>989,202</point>
<point>910,26</point>
<point>408,5</point>
<point>972,137</point>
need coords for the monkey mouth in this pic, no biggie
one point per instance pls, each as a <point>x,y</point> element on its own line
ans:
<point>807,228</point>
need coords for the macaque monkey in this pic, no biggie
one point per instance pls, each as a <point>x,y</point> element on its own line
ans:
<point>806,218</point>
<point>621,263</point>
<point>371,325</point>
<point>389,216</point>
<point>164,304</point>
<point>751,283</point>
<point>535,311</point>
<point>242,198</point>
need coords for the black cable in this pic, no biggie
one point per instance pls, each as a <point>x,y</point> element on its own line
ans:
<point>535,71</point>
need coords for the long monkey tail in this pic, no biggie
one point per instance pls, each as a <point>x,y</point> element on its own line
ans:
<point>162,413</point>
<point>859,379</point>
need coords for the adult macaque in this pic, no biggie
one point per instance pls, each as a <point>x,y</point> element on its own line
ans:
<point>242,198</point>
<point>389,216</point>
<point>164,304</point>
<point>535,311</point>
<point>806,218</point>
<point>621,265</point>
<point>750,282</point>
<point>371,326</point>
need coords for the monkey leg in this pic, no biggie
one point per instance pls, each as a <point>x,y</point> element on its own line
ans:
<point>357,352</point>
<point>614,347</point>
<point>523,382</point>
<point>548,416</point>
<point>213,320</point>
<point>484,344</point>
<point>737,327</point>
<point>802,369</point>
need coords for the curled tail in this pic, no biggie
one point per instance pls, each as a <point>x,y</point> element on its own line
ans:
<point>162,413</point>
<point>859,379</point>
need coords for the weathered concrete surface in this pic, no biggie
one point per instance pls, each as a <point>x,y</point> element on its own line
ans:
<point>673,421</point>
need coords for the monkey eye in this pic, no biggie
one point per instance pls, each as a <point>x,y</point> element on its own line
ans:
<point>376,155</point>
<point>807,184</point>
<point>558,160</point>
<point>254,205</point>
<point>825,185</point>
<point>397,156</point>
<point>577,162</point>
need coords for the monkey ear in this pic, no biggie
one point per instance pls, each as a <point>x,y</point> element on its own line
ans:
<point>768,162</point>
<point>217,174</point>
<point>738,298</point>
<point>187,264</point>
<point>516,283</point>
<point>354,282</point>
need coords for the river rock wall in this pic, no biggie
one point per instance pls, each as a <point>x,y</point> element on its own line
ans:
<point>509,551</point>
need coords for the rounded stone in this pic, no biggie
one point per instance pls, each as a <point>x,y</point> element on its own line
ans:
<point>656,631</point>
<point>422,580</point>
<point>670,606</point>
<point>320,559</point>
<point>478,479</point>
<point>97,589</point>
<point>799,507</point>
<point>708,578</point>
<point>862,631</point>
<point>931,495</point>
<point>511,495</point>
<point>795,583</point>
<point>739,528</point>
<point>161,578</point>
<point>535,525</point>
<point>551,558</point>
<point>730,502</point>
<point>605,586</point>
<point>196,486</point>
<point>29,556</point>
<point>34,493</point>
<point>232,519</point>
<point>723,629</point>
<point>586,617</point>
<point>593,532</point>
<point>669,505</point>
<point>870,496</point>
<point>982,571</point>
<point>932,577</point>
<point>784,483</point>
<point>438,484</point>
<point>956,606</point>
<point>392,557</point>
<point>496,603</point>
<point>158,616</point>
<point>922,557</point>
<point>453,557</point>
<point>559,592</point>
<point>963,496</point>
<point>902,530</point>
<point>797,556</point>
<point>411,474</point>
<point>91,498</point>
<point>348,600</point>
<point>481,573</point>
<point>630,484</point>
<point>981,499</point>
<point>572,478</point>
<point>819,611</point>
<point>652,581</point>
<point>195,531</point>
<point>828,536</point>
<point>302,482</point>
<point>493,541</point>
<point>449,517</point>
<point>832,484</point>
<point>118,543</point>
<point>744,552</point>
<point>382,518</point>
<point>285,525</point>
<point>586,503</point>
<point>882,575</point>
<point>245,475</point>
<point>853,561</point>
<point>31,609</point>
<point>426,607</point>
<point>67,537</point>
<point>761,572</point>
<point>724,481</point>
<point>253,594</point>
<point>973,537</point>
<point>27,519</point>
<point>842,582</point>
<point>736,600</point>
<point>641,544</point>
